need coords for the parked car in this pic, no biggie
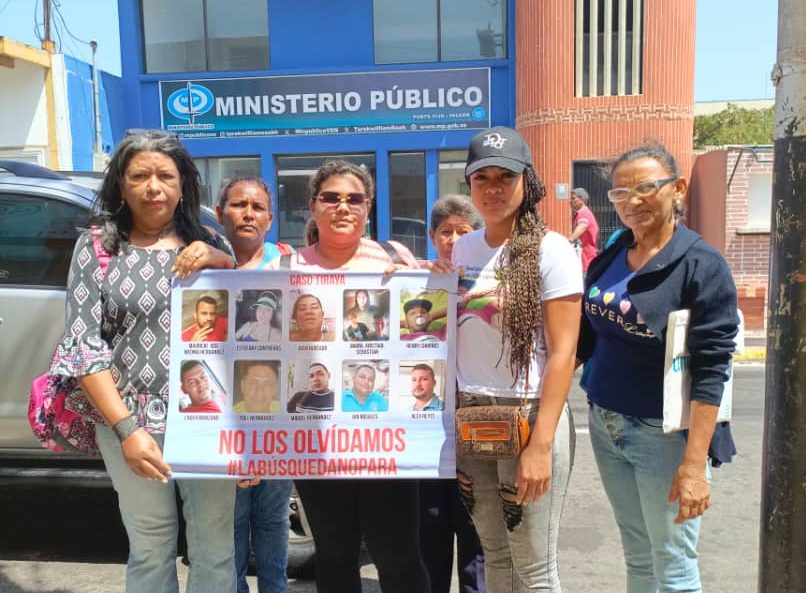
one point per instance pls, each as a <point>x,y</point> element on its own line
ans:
<point>40,213</point>
<point>411,232</point>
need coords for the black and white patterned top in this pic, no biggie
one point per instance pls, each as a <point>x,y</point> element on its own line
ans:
<point>121,321</point>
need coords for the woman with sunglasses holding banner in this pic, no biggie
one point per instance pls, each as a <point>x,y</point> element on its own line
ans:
<point>657,483</point>
<point>342,512</point>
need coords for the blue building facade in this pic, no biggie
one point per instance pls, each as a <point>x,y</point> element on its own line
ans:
<point>275,87</point>
<point>78,76</point>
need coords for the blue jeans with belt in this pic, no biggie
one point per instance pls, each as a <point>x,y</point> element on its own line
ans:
<point>519,541</point>
<point>261,517</point>
<point>637,462</point>
<point>149,512</point>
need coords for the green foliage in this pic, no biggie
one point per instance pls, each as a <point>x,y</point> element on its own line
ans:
<point>735,125</point>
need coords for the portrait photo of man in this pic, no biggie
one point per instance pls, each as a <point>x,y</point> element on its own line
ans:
<point>208,317</point>
<point>361,394</point>
<point>423,382</point>
<point>257,387</point>
<point>319,397</point>
<point>195,384</point>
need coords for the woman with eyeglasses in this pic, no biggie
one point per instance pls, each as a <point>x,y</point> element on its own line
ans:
<point>657,483</point>
<point>342,512</point>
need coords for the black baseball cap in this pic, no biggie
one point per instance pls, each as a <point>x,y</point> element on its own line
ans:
<point>498,147</point>
<point>424,304</point>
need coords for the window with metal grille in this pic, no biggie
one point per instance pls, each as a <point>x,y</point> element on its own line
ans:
<point>609,47</point>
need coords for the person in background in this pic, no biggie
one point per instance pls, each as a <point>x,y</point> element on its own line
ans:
<point>261,506</point>
<point>384,513</point>
<point>585,229</point>
<point>244,210</point>
<point>526,359</point>
<point>443,516</point>
<point>657,483</point>
<point>148,219</point>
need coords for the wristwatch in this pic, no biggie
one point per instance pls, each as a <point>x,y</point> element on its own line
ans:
<point>125,427</point>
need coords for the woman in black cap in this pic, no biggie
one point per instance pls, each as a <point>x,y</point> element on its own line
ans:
<point>521,354</point>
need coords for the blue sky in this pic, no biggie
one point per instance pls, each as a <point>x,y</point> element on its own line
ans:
<point>736,41</point>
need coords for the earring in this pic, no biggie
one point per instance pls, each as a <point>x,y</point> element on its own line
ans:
<point>121,207</point>
<point>182,204</point>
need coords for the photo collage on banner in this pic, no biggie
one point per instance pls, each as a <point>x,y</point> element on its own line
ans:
<point>283,374</point>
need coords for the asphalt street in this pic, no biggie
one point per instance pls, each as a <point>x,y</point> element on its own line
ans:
<point>41,552</point>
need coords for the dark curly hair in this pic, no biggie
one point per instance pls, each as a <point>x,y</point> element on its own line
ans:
<point>325,172</point>
<point>115,219</point>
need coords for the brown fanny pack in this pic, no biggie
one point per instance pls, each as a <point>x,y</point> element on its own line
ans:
<point>491,432</point>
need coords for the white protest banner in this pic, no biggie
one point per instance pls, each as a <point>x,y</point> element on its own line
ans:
<point>281,374</point>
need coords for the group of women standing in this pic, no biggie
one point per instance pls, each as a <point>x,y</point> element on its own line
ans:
<point>657,483</point>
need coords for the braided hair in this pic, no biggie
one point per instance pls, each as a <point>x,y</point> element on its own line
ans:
<point>519,282</point>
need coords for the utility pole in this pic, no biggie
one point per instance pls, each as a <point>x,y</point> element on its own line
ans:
<point>782,562</point>
<point>97,146</point>
<point>47,42</point>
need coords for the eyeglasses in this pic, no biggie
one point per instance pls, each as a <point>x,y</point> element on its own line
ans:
<point>334,198</point>
<point>642,190</point>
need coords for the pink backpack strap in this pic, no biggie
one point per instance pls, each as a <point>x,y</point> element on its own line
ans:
<point>102,254</point>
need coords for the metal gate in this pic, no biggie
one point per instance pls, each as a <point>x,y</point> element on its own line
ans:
<point>593,176</point>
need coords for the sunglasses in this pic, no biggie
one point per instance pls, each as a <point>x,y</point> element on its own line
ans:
<point>334,198</point>
<point>642,190</point>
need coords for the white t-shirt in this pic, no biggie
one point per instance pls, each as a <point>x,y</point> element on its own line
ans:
<point>480,366</point>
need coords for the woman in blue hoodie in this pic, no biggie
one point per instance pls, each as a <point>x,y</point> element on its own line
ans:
<point>657,483</point>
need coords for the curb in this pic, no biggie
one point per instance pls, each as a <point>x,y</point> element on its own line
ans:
<point>751,353</point>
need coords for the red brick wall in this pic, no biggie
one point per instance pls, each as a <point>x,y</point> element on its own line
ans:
<point>747,254</point>
<point>562,128</point>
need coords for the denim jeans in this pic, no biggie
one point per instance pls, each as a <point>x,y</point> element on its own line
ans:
<point>519,542</point>
<point>261,516</point>
<point>637,462</point>
<point>385,513</point>
<point>442,516</point>
<point>149,512</point>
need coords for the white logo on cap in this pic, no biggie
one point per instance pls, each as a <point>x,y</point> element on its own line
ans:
<point>495,140</point>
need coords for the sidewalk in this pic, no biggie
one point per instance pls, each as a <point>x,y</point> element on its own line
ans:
<point>755,347</point>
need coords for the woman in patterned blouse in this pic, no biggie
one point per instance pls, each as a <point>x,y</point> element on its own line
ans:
<point>117,344</point>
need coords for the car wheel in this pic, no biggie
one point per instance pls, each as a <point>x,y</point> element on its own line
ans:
<point>301,549</point>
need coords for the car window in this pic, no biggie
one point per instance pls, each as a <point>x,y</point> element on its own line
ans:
<point>37,236</point>
<point>410,232</point>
